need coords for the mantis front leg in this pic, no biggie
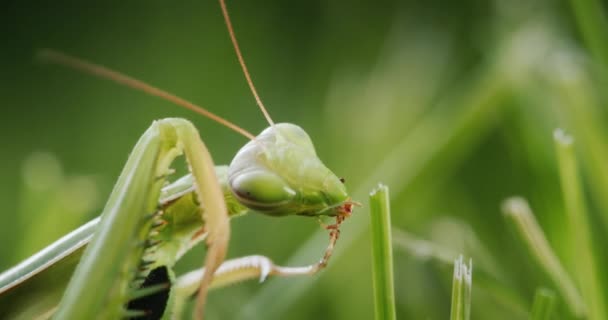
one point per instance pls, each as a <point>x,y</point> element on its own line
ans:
<point>101,285</point>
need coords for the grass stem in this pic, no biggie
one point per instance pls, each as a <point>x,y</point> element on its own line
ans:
<point>461,290</point>
<point>382,253</point>
<point>585,264</point>
<point>544,304</point>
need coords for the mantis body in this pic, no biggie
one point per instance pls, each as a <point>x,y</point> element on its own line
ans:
<point>123,260</point>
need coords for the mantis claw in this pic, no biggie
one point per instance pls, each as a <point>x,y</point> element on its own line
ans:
<point>265,268</point>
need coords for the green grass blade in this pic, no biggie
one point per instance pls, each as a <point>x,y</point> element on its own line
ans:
<point>585,264</point>
<point>583,109</point>
<point>382,253</point>
<point>468,286</point>
<point>544,304</point>
<point>487,280</point>
<point>520,216</point>
<point>461,290</point>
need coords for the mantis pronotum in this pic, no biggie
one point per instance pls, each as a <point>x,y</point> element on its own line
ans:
<point>148,224</point>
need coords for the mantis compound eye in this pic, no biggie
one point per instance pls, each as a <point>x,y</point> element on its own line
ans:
<point>260,189</point>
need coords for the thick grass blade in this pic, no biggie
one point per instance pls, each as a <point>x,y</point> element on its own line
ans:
<point>382,254</point>
<point>462,284</point>
<point>520,216</point>
<point>585,263</point>
<point>544,304</point>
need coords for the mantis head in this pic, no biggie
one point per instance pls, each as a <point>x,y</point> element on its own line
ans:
<point>278,173</point>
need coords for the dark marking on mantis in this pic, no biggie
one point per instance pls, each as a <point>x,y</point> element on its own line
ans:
<point>153,305</point>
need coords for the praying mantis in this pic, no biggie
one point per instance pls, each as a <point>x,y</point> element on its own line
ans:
<point>120,264</point>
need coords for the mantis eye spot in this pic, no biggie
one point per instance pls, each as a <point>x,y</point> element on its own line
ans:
<point>342,180</point>
<point>261,188</point>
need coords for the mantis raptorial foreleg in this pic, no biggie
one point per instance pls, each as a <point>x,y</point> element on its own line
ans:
<point>113,258</point>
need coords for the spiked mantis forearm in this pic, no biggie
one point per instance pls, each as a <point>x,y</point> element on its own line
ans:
<point>113,258</point>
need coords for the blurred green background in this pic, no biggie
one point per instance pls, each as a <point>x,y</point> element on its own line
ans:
<point>451,104</point>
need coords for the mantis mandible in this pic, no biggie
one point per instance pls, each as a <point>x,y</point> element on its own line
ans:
<point>126,255</point>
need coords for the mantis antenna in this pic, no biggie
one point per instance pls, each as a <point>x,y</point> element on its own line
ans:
<point>106,73</point>
<point>239,55</point>
<point>103,72</point>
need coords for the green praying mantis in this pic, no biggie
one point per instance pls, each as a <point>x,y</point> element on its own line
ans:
<point>119,265</point>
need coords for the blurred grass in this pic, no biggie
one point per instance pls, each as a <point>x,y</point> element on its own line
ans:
<point>544,304</point>
<point>520,216</point>
<point>452,105</point>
